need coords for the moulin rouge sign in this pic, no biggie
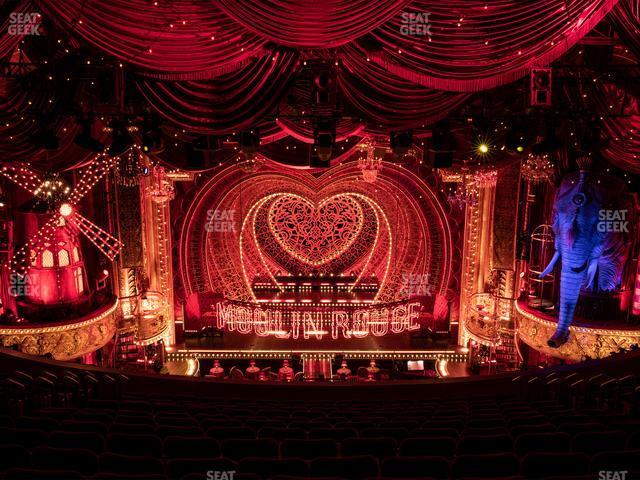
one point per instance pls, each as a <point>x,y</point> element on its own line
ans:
<point>318,322</point>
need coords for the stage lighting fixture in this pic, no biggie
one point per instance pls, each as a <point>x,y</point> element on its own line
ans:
<point>249,143</point>
<point>324,138</point>
<point>547,144</point>
<point>120,137</point>
<point>442,146</point>
<point>151,134</point>
<point>84,137</point>
<point>401,142</point>
<point>516,139</point>
<point>540,87</point>
<point>483,148</point>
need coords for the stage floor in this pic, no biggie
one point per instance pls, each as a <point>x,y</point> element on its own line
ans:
<point>400,346</point>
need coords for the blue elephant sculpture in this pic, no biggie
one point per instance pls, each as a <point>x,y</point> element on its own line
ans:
<point>591,228</point>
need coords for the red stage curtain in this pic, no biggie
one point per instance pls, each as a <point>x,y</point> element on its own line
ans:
<point>476,45</point>
<point>622,129</point>
<point>230,102</point>
<point>177,39</point>
<point>322,24</point>
<point>391,101</point>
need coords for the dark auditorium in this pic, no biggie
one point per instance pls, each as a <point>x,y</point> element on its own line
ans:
<point>319,240</point>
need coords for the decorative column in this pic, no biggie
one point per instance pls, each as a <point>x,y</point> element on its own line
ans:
<point>157,317</point>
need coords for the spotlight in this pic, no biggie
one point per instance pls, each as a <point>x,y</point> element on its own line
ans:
<point>516,139</point>
<point>249,143</point>
<point>401,142</point>
<point>66,209</point>
<point>483,148</point>
<point>151,134</point>
<point>84,137</point>
<point>120,137</point>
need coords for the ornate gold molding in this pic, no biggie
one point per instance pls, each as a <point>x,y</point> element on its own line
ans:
<point>67,341</point>
<point>534,330</point>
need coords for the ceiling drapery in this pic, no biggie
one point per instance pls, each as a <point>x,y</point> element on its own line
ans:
<point>311,24</point>
<point>221,66</point>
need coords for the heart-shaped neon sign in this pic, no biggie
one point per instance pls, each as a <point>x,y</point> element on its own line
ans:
<point>315,233</point>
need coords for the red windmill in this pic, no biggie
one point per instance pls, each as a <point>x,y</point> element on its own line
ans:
<point>52,252</point>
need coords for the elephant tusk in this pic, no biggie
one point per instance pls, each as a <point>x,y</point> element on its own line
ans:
<point>552,263</point>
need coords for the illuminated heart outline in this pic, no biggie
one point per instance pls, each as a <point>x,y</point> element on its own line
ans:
<point>315,233</point>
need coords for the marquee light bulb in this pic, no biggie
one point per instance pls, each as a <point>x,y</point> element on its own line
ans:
<point>66,209</point>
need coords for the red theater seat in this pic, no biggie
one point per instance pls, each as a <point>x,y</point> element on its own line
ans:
<point>179,467</point>
<point>308,449</point>
<point>336,434</point>
<point>486,466</point>
<point>538,465</point>
<point>135,444</point>
<point>88,440</point>
<point>542,442</point>
<point>221,433</point>
<point>237,449</point>
<point>436,446</point>
<point>352,468</point>
<point>78,460</point>
<point>376,447</point>
<point>40,474</point>
<point>13,456</point>
<point>415,467</point>
<point>477,444</point>
<point>190,447</point>
<point>596,442</point>
<point>267,468</point>
<point>282,433</point>
<point>128,465</point>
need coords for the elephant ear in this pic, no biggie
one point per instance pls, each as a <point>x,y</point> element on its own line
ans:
<point>611,266</point>
<point>574,230</point>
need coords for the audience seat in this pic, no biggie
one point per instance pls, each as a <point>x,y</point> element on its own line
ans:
<point>308,449</point>
<point>76,459</point>
<point>415,467</point>
<point>487,466</point>
<point>352,468</point>
<point>541,464</point>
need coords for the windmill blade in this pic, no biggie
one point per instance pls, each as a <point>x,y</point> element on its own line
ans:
<point>21,174</point>
<point>104,241</point>
<point>21,260</point>
<point>92,174</point>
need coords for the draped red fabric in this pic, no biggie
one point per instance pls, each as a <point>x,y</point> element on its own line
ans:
<point>9,42</point>
<point>391,101</point>
<point>325,24</point>
<point>476,45</point>
<point>229,102</point>
<point>626,17</point>
<point>179,39</point>
<point>622,130</point>
<point>304,132</point>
